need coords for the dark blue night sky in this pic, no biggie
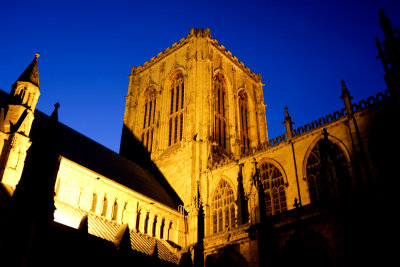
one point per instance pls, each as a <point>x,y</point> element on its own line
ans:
<point>302,49</point>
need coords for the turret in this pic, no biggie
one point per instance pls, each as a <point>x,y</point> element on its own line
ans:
<point>15,125</point>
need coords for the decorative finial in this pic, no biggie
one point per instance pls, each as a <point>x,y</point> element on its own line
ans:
<point>37,55</point>
<point>57,105</point>
<point>344,85</point>
<point>288,124</point>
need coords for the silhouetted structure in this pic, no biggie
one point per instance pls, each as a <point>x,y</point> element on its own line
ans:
<point>197,181</point>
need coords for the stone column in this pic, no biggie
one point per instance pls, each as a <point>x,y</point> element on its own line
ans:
<point>142,217</point>
<point>150,224</point>
<point>167,224</point>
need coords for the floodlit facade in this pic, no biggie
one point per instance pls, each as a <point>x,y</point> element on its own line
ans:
<point>198,180</point>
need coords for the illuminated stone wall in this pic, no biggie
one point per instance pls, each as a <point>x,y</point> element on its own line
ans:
<point>77,186</point>
<point>198,160</point>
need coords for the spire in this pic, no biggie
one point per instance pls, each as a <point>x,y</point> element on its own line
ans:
<point>381,55</point>
<point>54,115</point>
<point>31,74</point>
<point>288,123</point>
<point>385,24</point>
<point>347,99</point>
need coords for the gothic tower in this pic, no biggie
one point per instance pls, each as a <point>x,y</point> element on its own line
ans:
<point>15,124</point>
<point>193,107</point>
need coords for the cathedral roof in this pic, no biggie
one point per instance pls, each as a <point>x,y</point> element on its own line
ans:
<point>90,154</point>
<point>31,73</point>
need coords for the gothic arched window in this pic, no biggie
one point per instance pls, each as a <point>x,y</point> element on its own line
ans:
<point>114,211</point>
<point>162,229</point>
<point>274,187</point>
<point>220,113</point>
<point>146,223</point>
<point>149,121</point>
<point>327,172</point>
<point>223,208</point>
<point>177,97</point>
<point>104,210</point>
<point>243,116</point>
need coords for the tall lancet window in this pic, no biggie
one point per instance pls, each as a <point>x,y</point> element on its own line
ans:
<point>177,101</point>
<point>274,187</point>
<point>243,117</point>
<point>149,120</point>
<point>223,208</point>
<point>327,172</point>
<point>220,113</point>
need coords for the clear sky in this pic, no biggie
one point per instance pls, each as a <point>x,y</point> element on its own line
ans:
<point>302,49</point>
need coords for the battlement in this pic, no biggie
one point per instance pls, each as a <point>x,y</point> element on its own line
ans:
<point>197,33</point>
<point>361,105</point>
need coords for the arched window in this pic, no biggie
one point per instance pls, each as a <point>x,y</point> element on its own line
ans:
<point>104,210</point>
<point>146,223</point>
<point>243,116</point>
<point>327,171</point>
<point>274,187</point>
<point>114,211</point>
<point>220,113</point>
<point>149,121</point>
<point>153,232</point>
<point>138,220</point>
<point>162,229</point>
<point>223,208</point>
<point>94,203</point>
<point>177,97</point>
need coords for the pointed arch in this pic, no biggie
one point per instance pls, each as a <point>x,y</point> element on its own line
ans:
<point>326,167</point>
<point>220,111</point>
<point>275,183</point>
<point>149,118</point>
<point>114,211</point>
<point>105,204</point>
<point>223,207</point>
<point>176,105</point>
<point>243,105</point>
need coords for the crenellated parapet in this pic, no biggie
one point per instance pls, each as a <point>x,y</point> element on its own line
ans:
<point>197,33</point>
<point>379,98</point>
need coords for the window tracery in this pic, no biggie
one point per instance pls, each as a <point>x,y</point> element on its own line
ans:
<point>243,117</point>
<point>223,208</point>
<point>220,113</point>
<point>327,172</point>
<point>177,96</point>
<point>274,188</point>
<point>149,121</point>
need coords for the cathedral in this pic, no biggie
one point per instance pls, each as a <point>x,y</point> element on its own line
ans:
<point>198,181</point>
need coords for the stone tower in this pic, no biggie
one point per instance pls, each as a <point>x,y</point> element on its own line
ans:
<point>193,107</point>
<point>15,124</point>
